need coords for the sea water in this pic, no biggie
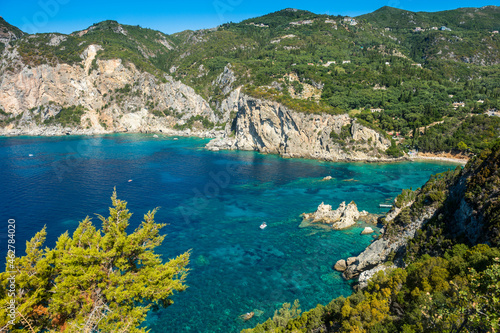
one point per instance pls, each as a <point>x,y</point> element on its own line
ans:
<point>213,203</point>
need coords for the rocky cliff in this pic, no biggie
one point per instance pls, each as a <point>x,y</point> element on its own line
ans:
<point>113,96</point>
<point>386,247</point>
<point>269,127</point>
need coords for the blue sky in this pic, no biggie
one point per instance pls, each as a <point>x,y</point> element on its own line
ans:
<point>173,16</point>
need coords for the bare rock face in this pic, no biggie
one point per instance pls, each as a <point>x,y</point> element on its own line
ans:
<point>270,127</point>
<point>116,97</point>
<point>351,260</point>
<point>225,80</point>
<point>341,218</point>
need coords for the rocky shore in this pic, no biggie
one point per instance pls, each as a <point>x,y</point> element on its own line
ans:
<point>374,257</point>
<point>61,131</point>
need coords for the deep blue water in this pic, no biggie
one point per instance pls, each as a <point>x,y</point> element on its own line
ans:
<point>214,203</point>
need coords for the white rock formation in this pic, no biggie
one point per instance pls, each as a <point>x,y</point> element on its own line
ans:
<point>367,230</point>
<point>366,276</point>
<point>378,251</point>
<point>341,218</point>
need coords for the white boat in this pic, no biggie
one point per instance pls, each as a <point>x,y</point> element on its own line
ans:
<point>263,225</point>
<point>30,155</point>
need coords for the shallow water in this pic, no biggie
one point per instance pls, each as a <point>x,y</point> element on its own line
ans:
<point>214,203</point>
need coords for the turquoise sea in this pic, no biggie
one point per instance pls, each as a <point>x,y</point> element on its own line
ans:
<point>213,203</point>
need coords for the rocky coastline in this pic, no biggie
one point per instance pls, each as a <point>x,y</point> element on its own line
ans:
<point>384,249</point>
<point>63,131</point>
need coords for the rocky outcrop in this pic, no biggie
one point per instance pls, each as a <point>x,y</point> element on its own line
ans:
<point>380,250</point>
<point>340,265</point>
<point>116,97</point>
<point>367,231</point>
<point>225,80</point>
<point>341,218</point>
<point>270,127</point>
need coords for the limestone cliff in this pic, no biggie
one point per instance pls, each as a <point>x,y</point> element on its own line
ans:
<point>115,97</point>
<point>269,127</point>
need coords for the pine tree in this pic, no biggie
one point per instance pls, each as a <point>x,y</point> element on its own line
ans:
<point>105,280</point>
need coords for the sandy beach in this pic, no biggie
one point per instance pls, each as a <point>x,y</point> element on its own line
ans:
<point>445,157</point>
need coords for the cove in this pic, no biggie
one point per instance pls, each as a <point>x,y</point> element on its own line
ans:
<point>213,203</point>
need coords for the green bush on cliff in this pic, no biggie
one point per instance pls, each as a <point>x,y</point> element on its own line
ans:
<point>394,150</point>
<point>190,122</point>
<point>69,116</point>
<point>406,196</point>
<point>292,103</point>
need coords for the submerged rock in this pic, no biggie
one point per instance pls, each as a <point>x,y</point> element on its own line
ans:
<point>341,218</point>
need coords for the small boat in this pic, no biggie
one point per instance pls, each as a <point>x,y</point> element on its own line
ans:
<point>129,180</point>
<point>263,225</point>
<point>384,206</point>
<point>30,155</point>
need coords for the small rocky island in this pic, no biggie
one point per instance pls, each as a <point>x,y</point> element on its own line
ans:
<point>342,217</point>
